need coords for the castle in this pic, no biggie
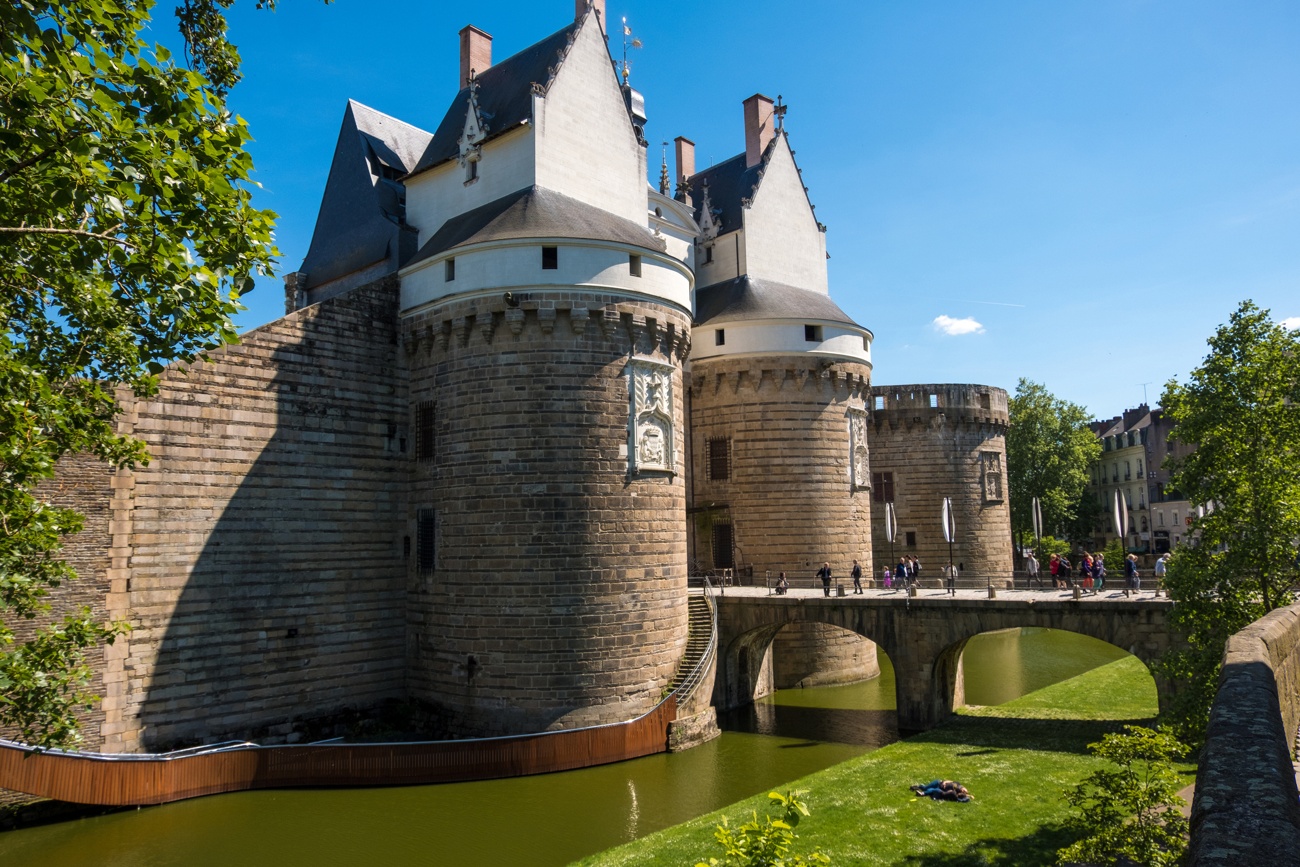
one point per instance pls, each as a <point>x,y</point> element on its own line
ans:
<point>517,396</point>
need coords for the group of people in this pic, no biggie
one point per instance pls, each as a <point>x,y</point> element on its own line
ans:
<point>1091,575</point>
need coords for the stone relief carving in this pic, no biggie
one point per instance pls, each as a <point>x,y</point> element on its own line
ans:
<point>991,476</point>
<point>859,463</point>
<point>650,424</point>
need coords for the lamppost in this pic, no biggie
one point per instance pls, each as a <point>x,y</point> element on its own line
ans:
<point>891,530</point>
<point>949,533</point>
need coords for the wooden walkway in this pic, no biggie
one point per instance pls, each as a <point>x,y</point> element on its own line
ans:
<point>128,780</point>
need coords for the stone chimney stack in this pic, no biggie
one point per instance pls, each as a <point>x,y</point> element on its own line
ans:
<point>580,9</point>
<point>475,52</point>
<point>685,166</point>
<point>760,126</point>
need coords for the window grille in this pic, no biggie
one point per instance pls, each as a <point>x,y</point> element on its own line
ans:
<point>425,417</point>
<point>882,487</point>
<point>718,458</point>
<point>426,541</point>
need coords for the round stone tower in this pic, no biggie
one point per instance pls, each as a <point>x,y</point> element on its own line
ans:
<point>548,560</point>
<point>780,476</point>
<point>934,441</point>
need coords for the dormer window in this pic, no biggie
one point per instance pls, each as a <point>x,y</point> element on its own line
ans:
<point>471,171</point>
<point>550,258</point>
<point>708,254</point>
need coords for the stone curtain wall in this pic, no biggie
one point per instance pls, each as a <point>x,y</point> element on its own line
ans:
<point>1246,809</point>
<point>265,579</point>
<point>558,593</point>
<point>792,503</point>
<point>935,452</point>
<point>86,484</point>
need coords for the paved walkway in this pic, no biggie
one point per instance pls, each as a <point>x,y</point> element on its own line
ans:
<point>965,593</point>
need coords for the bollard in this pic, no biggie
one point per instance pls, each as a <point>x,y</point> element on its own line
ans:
<point>993,592</point>
<point>1077,593</point>
<point>911,590</point>
<point>839,589</point>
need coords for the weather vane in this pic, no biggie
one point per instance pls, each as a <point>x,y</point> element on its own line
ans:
<point>629,41</point>
<point>780,110</point>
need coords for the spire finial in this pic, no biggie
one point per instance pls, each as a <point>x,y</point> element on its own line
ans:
<point>779,110</point>
<point>664,183</point>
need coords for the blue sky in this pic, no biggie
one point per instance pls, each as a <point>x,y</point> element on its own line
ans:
<point>1095,184</point>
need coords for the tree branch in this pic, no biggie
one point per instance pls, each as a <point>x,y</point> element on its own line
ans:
<point>36,158</point>
<point>37,230</point>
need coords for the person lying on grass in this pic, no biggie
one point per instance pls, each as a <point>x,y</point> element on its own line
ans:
<point>943,790</point>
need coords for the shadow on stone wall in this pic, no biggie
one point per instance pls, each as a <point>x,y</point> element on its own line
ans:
<point>267,573</point>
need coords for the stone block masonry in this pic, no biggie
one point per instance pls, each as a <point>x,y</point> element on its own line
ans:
<point>554,593</point>
<point>263,573</point>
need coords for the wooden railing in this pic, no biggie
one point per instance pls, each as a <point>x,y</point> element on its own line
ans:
<point>128,780</point>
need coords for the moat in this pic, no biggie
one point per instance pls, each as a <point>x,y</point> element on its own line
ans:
<point>550,819</point>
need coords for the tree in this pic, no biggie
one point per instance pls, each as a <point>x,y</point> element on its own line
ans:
<point>1050,449</point>
<point>1241,408</point>
<point>1130,811</point>
<point>127,233</point>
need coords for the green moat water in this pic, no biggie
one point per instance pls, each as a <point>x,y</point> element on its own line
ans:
<point>550,819</point>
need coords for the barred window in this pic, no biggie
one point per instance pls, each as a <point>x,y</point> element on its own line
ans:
<point>425,417</point>
<point>882,487</point>
<point>722,547</point>
<point>426,541</point>
<point>718,458</point>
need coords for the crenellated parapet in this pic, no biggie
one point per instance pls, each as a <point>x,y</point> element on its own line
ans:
<point>930,405</point>
<point>627,327</point>
<point>791,374</point>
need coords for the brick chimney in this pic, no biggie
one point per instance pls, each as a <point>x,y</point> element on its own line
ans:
<point>685,166</point>
<point>580,9</point>
<point>760,126</point>
<point>475,52</point>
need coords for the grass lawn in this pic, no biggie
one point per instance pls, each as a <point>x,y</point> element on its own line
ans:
<point>1016,759</point>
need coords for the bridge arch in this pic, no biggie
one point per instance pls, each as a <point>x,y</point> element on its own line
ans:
<point>924,639</point>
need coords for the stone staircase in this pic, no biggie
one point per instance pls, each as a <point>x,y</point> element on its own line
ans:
<point>698,635</point>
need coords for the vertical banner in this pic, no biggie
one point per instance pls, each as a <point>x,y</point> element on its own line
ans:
<point>1121,516</point>
<point>949,525</point>
<point>891,523</point>
<point>1038,518</point>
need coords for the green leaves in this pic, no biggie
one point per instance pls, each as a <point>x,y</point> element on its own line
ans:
<point>766,843</point>
<point>127,233</point>
<point>1130,811</point>
<point>1241,409</point>
<point>1049,450</point>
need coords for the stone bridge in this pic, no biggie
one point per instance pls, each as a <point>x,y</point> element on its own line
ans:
<point>924,636</point>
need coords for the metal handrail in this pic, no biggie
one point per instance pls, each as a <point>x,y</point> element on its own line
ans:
<point>686,689</point>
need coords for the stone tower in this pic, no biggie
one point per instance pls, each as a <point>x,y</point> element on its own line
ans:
<point>934,441</point>
<point>779,384</point>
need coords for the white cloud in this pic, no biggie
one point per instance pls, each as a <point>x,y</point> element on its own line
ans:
<point>1291,323</point>
<point>954,327</point>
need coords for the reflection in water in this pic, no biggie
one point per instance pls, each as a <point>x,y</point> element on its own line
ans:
<point>545,820</point>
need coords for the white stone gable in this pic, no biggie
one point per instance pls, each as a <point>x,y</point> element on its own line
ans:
<point>586,145</point>
<point>783,240</point>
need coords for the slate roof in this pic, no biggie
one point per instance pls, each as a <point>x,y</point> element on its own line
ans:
<point>743,298</point>
<point>729,182</point>
<point>505,96</point>
<point>535,212</point>
<point>358,222</point>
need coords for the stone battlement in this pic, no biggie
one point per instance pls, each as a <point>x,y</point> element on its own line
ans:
<point>906,405</point>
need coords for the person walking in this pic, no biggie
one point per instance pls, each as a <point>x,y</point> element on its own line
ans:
<point>1099,571</point>
<point>887,578</point>
<point>900,573</point>
<point>1031,571</point>
<point>1132,580</point>
<point>1085,573</point>
<point>824,573</point>
<point>1065,571</point>
<point>857,578</point>
<point>1055,568</point>
<point>1162,567</point>
<point>950,573</point>
<point>782,585</point>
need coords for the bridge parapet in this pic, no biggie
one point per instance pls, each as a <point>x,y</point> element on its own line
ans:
<point>924,638</point>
